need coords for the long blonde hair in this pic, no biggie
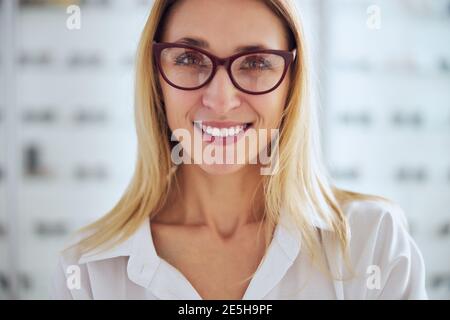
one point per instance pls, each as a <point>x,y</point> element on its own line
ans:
<point>301,185</point>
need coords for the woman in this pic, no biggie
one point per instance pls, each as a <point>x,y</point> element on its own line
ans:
<point>270,226</point>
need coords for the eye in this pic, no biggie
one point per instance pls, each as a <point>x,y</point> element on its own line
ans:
<point>190,58</point>
<point>255,63</point>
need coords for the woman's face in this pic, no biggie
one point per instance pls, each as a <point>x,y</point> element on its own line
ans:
<point>224,25</point>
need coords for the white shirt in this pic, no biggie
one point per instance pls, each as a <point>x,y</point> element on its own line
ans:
<point>386,261</point>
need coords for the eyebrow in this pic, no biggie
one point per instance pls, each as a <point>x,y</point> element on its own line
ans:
<point>196,42</point>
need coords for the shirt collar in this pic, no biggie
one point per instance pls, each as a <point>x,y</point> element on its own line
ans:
<point>144,261</point>
<point>139,247</point>
<point>122,249</point>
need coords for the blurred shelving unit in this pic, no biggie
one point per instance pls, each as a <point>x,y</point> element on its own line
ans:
<point>8,127</point>
<point>76,143</point>
<point>387,79</point>
<point>3,243</point>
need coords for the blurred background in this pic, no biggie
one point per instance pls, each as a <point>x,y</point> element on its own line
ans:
<point>381,72</point>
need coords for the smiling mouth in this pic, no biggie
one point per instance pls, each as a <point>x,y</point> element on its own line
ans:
<point>222,129</point>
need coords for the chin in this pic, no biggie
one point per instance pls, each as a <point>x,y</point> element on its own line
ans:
<point>221,169</point>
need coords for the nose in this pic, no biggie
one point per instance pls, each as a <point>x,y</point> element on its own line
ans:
<point>220,94</point>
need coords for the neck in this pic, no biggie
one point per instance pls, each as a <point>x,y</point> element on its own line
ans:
<point>222,203</point>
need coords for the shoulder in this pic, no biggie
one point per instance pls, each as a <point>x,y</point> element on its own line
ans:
<point>68,272</point>
<point>375,215</point>
<point>71,252</point>
<point>78,271</point>
<point>377,226</point>
<point>380,240</point>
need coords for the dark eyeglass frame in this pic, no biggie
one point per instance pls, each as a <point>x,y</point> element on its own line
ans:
<point>288,56</point>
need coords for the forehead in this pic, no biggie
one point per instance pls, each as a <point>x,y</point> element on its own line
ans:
<point>226,25</point>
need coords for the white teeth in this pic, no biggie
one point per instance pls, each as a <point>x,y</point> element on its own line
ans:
<point>224,132</point>
<point>221,132</point>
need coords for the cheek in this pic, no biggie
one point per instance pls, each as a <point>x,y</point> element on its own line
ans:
<point>178,104</point>
<point>269,108</point>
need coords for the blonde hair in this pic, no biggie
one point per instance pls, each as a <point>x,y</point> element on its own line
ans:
<point>301,185</point>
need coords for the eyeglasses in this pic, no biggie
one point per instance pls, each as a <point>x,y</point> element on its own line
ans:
<point>189,68</point>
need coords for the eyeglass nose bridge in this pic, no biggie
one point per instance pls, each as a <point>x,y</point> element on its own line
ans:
<point>225,62</point>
